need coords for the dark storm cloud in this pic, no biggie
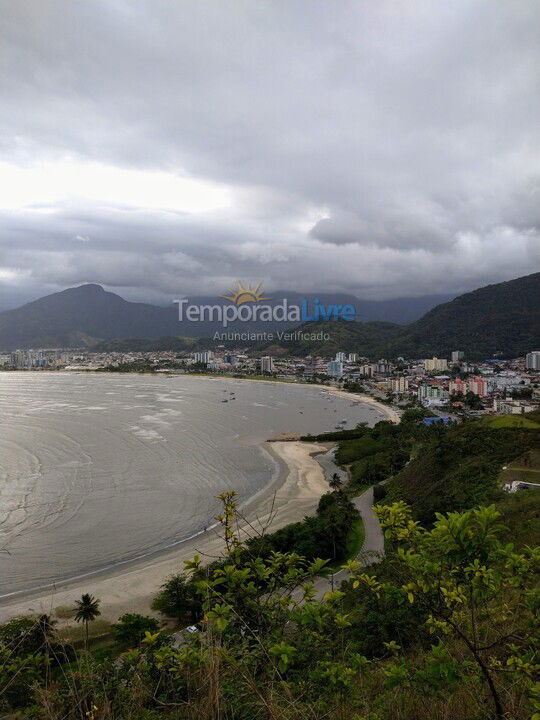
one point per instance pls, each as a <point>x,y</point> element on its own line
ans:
<point>382,148</point>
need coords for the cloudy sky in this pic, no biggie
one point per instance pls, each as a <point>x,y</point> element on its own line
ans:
<point>164,148</point>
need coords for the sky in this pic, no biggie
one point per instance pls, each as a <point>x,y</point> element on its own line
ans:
<point>161,149</point>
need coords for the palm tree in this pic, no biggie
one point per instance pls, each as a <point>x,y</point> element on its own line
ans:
<point>87,609</point>
<point>335,482</point>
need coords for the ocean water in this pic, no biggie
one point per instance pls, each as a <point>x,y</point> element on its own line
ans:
<point>98,469</point>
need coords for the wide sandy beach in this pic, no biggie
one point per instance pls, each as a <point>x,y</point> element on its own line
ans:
<point>130,588</point>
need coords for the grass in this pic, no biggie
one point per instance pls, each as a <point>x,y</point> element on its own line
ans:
<point>520,513</point>
<point>512,421</point>
<point>64,612</point>
<point>525,468</point>
<point>74,634</point>
<point>355,541</point>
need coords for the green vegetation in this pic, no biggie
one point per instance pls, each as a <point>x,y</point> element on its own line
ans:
<point>375,454</point>
<point>520,514</point>
<point>459,467</point>
<point>355,539</point>
<point>444,628</point>
<point>327,534</point>
<point>495,320</point>
<point>87,611</point>
<point>512,421</point>
<point>178,599</point>
<point>131,629</point>
<point>166,344</point>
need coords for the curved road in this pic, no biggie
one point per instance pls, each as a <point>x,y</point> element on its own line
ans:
<point>373,548</point>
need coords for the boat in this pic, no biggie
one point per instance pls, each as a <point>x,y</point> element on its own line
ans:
<point>224,401</point>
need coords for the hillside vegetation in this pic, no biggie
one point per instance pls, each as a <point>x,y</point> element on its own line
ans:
<point>501,319</point>
<point>445,627</point>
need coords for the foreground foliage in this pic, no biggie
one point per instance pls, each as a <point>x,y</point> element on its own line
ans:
<point>451,615</point>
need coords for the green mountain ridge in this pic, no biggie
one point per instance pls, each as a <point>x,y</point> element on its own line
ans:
<point>496,320</point>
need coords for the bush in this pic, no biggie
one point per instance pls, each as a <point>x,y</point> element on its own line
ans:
<point>178,599</point>
<point>324,535</point>
<point>131,628</point>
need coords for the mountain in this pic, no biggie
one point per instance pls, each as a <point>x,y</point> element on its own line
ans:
<point>78,317</point>
<point>496,320</point>
<point>85,315</point>
<point>501,319</point>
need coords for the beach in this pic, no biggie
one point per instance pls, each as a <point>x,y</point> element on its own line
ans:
<point>390,412</point>
<point>130,588</point>
<point>128,583</point>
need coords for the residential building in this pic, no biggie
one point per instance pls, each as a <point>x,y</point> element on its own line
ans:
<point>513,407</point>
<point>457,356</point>
<point>267,364</point>
<point>334,368</point>
<point>532,360</point>
<point>203,357</point>
<point>352,357</point>
<point>436,364</point>
<point>477,385</point>
<point>340,357</point>
<point>399,385</point>
<point>426,390</point>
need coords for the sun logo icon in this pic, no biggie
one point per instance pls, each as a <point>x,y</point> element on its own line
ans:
<point>245,294</point>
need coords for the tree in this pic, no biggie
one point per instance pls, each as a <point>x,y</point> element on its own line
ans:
<point>86,610</point>
<point>477,594</point>
<point>473,401</point>
<point>335,482</point>
<point>178,599</point>
<point>131,628</point>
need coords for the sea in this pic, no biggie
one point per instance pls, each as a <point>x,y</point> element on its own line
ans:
<point>99,469</point>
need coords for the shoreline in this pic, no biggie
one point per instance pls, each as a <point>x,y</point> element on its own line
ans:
<point>129,586</point>
<point>390,412</point>
<point>294,493</point>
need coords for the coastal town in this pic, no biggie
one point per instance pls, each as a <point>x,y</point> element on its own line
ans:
<point>448,387</point>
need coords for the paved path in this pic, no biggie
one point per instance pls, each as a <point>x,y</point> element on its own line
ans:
<point>372,550</point>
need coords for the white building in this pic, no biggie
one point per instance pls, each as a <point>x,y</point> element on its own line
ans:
<point>513,407</point>
<point>203,357</point>
<point>352,357</point>
<point>340,357</point>
<point>457,356</point>
<point>436,364</point>
<point>335,368</point>
<point>399,384</point>
<point>532,360</point>
<point>267,364</point>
